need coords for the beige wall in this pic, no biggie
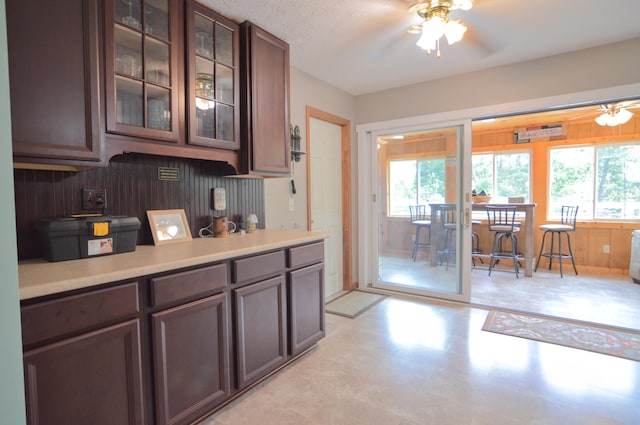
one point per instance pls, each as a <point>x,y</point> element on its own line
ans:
<point>586,70</point>
<point>306,90</point>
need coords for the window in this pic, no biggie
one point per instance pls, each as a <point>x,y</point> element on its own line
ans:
<point>603,180</point>
<point>502,175</point>
<point>414,182</point>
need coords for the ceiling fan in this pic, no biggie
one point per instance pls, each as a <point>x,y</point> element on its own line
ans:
<point>613,114</point>
<point>608,114</point>
<point>436,23</point>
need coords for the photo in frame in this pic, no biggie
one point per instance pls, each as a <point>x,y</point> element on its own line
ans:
<point>168,226</point>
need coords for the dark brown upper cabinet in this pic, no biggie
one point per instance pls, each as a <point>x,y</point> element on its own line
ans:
<point>141,68</point>
<point>213,75</point>
<point>265,97</point>
<point>54,82</point>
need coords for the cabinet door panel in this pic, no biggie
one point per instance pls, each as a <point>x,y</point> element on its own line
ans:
<point>191,359</point>
<point>141,63</point>
<point>91,379</point>
<point>213,74</point>
<point>268,102</point>
<point>53,65</point>
<point>306,308</point>
<point>261,329</point>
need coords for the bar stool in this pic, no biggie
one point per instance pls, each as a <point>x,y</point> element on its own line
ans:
<point>567,224</point>
<point>501,222</point>
<point>448,231</point>
<point>475,243</point>
<point>418,217</point>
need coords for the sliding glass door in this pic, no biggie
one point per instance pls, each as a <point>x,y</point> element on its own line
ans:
<point>422,218</point>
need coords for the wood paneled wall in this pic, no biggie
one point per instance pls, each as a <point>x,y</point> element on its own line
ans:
<point>133,187</point>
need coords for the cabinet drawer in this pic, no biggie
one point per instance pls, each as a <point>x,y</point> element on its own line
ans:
<point>55,318</point>
<point>188,285</point>
<point>253,268</point>
<point>307,254</point>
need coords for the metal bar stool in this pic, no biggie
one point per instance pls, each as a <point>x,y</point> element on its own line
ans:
<point>418,217</point>
<point>501,222</point>
<point>448,231</point>
<point>567,224</point>
<point>475,243</point>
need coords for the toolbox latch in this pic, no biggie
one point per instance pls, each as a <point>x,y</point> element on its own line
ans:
<point>101,228</point>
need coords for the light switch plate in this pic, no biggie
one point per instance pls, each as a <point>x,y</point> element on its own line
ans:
<point>219,196</point>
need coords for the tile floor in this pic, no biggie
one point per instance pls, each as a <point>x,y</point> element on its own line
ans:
<point>408,362</point>
<point>607,298</point>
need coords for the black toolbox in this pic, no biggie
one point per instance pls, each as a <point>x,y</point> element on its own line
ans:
<point>82,236</point>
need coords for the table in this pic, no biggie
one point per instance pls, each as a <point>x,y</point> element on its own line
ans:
<point>528,209</point>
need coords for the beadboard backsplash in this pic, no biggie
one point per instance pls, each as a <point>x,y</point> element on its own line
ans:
<point>132,186</point>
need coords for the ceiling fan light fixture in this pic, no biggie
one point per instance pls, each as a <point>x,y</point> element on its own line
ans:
<point>603,119</point>
<point>614,117</point>
<point>425,42</point>
<point>454,31</point>
<point>623,115</point>
<point>462,4</point>
<point>204,104</point>
<point>436,23</point>
<point>434,28</point>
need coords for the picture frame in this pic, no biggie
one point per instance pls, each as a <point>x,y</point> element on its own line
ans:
<point>168,226</point>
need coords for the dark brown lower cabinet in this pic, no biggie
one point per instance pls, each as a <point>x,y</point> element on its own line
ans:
<point>101,356</point>
<point>261,329</point>
<point>191,359</point>
<point>306,307</point>
<point>94,378</point>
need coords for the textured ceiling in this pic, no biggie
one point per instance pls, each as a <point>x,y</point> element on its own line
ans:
<point>361,46</point>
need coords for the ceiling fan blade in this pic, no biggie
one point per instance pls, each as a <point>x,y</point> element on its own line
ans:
<point>586,115</point>
<point>629,104</point>
<point>480,43</point>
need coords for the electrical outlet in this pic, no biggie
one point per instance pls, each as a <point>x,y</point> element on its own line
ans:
<point>94,199</point>
<point>605,249</point>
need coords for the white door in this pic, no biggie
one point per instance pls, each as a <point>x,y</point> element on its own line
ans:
<point>325,162</point>
<point>429,167</point>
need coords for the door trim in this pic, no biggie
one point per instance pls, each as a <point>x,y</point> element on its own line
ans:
<point>347,232</point>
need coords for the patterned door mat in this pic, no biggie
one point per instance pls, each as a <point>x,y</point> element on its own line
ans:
<point>619,342</point>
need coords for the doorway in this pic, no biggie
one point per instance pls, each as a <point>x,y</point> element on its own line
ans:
<point>329,194</point>
<point>602,274</point>
<point>423,170</point>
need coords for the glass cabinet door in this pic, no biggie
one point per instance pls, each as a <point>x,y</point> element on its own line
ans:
<point>141,69</point>
<point>213,75</point>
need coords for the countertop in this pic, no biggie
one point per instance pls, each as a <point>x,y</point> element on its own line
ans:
<point>39,277</point>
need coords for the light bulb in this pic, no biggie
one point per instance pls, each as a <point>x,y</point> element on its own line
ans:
<point>602,119</point>
<point>425,42</point>
<point>623,115</point>
<point>454,31</point>
<point>204,104</point>
<point>434,27</point>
